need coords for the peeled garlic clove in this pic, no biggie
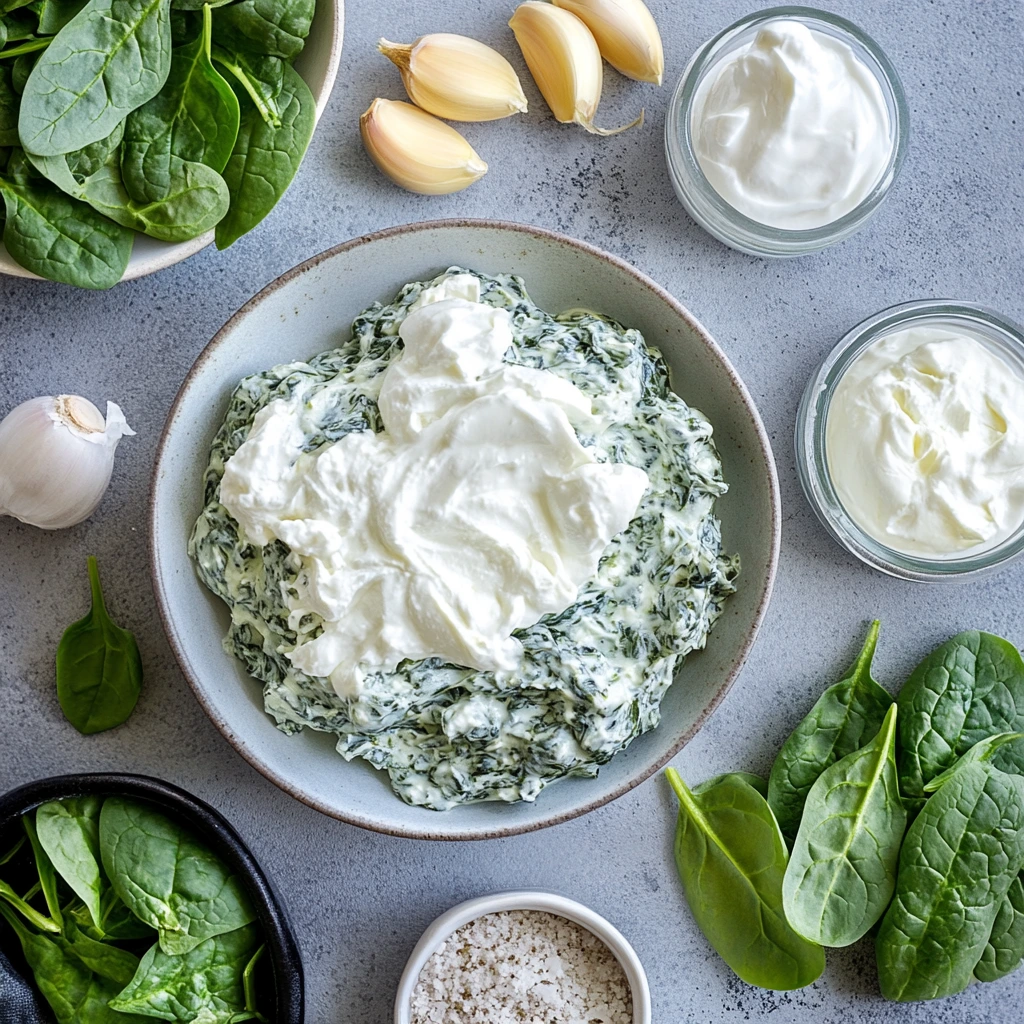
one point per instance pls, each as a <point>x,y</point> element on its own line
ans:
<point>626,35</point>
<point>56,457</point>
<point>565,62</point>
<point>417,151</point>
<point>456,77</point>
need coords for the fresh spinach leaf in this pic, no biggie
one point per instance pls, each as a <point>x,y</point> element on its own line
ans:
<point>55,14</point>
<point>99,670</point>
<point>958,861</point>
<point>205,984</point>
<point>274,27</point>
<point>3,33</point>
<point>755,781</point>
<point>265,158</point>
<point>21,68</point>
<point>193,119</point>
<point>13,851</point>
<point>261,77</point>
<point>1004,952</point>
<point>69,832</point>
<point>9,102</point>
<point>842,870</point>
<point>168,878</point>
<point>19,168</point>
<point>45,871</point>
<point>731,858</point>
<point>113,56</point>
<point>41,921</point>
<point>102,958</point>
<point>845,717</point>
<point>969,688</point>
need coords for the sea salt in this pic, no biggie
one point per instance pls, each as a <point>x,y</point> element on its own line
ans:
<point>522,967</point>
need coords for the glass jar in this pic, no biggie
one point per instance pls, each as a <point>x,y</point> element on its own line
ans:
<point>698,195</point>
<point>1002,336</point>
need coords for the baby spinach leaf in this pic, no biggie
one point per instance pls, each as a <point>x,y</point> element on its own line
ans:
<point>958,861</point>
<point>168,878</point>
<point>69,832</point>
<point>99,670</point>
<point>845,717</point>
<point>842,870</point>
<point>45,871</point>
<point>204,984</point>
<point>102,958</point>
<point>21,68</point>
<point>9,102</point>
<point>3,33</point>
<point>265,158</point>
<point>969,688</point>
<point>55,14</point>
<point>261,77</point>
<point>193,119</point>
<point>275,27</point>
<point>1004,952</point>
<point>113,56</point>
<point>731,858</point>
<point>755,781</point>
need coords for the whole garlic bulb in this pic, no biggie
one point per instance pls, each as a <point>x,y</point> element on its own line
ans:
<point>56,457</point>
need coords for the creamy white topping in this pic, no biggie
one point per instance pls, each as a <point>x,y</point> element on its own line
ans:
<point>475,512</point>
<point>925,442</point>
<point>792,128</point>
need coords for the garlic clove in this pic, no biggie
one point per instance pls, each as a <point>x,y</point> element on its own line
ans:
<point>565,62</point>
<point>417,151</point>
<point>626,35</point>
<point>56,459</point>
<point>457,77</point>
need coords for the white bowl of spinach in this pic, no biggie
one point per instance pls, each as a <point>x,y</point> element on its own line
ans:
<point>123,897</point>
<point>135,132</point>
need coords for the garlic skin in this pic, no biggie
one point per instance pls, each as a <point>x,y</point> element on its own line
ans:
<point>456,77</point>
<point>417,151</point>
<point>565,62</point>
<point>56,457</point>
<point>626,35</point>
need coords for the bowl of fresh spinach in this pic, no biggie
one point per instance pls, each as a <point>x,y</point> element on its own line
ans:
<point>135,132</point>
<point>123,897</point>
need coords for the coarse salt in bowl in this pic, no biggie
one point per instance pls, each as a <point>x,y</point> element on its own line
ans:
<point>458,917</point>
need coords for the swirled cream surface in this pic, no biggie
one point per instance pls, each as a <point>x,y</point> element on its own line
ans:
<point>792,128</point>
<point>924,439</point>
<point>473,513</point>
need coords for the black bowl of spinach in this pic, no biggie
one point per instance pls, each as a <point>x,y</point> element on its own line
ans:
<point>190,930</point>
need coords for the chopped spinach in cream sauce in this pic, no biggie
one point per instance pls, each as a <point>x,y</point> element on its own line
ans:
<point>594,675</point>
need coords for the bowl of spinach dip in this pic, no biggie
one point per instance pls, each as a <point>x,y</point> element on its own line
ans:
<point>593,677</point>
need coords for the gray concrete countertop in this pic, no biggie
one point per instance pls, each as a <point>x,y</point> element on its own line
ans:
<point>953,227</point>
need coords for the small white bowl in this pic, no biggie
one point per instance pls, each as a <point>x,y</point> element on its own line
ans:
<point>546,902</point>
<point>317,64</point>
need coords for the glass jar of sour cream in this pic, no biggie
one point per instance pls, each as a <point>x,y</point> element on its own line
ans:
<point>786,132</point>
<point>910,441</point>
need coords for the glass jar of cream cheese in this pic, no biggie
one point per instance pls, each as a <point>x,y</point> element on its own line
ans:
<point>786,132</point>
<point>910,441</point>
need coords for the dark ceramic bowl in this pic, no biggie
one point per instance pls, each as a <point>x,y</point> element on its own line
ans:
<point>283,985</point>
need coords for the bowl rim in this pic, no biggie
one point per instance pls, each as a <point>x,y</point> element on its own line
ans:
<point>543,901</point>
<point>242,747</point>
<point>177,252</point>
<point>271,912</point>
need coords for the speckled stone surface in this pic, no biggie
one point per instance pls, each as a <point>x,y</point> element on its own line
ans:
<point>953,227</point>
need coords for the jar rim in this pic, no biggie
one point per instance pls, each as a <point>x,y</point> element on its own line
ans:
<point>706,205</point>
<point>812,417</point>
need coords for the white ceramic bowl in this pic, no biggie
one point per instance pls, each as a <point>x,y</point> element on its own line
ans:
<point>458,916</point>
<point>318,65</point>
<point>309,310</point>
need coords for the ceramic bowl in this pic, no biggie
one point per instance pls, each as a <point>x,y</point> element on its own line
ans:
<point>548,902</point>
<point>308,310</point>
<point>317,64</point>
<point>283,983</point>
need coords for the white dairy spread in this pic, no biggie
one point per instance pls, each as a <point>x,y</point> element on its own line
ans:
<point>792,128</point>
<point>925,442</point>
<point>475,512</point>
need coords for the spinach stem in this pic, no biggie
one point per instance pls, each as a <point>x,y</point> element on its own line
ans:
<point>94,584</point>
<point>13,851</point>
<point>29,46</point>
<point>43,923</point>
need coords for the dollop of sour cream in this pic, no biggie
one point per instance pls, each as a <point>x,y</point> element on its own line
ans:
<point>792,128</point>
<point>475,512</point>
<point>924,439</point>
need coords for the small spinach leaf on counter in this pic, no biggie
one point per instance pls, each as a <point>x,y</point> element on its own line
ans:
<point>99,670</point>
<point>1005,950</point>
<point>731,858</point>
<point>969,688</point>
<point>275,27</point>
<point>111,57</point>
<point>754,781</point>
<point>169,879</point>
<point>958,861</point>
<point>69,832</point>
<point>205,984</point>
<point>842,870</point>
<point>845,717</point>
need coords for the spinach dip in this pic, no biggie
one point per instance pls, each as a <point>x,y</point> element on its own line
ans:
<point>592,677</point>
